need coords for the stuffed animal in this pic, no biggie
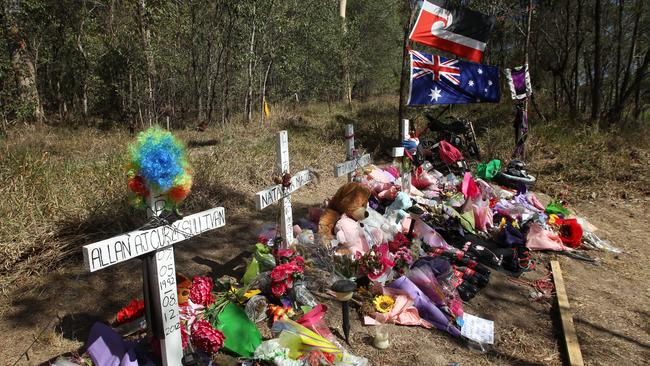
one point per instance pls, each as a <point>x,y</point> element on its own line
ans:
<point>378,228</point>
<point>351,199</point>
<point>306,237</point>
<point>350,235</point>
<point>397,208</point>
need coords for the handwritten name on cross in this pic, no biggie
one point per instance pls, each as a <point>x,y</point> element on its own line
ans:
<point>277,192</point>
<point>159,269</point>
<point>353,161</point>
<point>399,152</point>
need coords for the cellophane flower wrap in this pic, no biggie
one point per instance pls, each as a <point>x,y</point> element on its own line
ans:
<point>376,262</point>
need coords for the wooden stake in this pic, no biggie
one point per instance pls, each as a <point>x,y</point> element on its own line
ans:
<point>570,337</point>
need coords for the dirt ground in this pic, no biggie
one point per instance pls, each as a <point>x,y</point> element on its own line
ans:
<point>610,301</point>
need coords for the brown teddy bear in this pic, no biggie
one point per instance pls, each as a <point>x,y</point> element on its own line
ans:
<point>351,199</point>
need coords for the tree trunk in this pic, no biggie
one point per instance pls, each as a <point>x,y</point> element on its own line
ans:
<point>145,33</point>
<point>84,57</point>
<point>405,72</point>
<point>248,102</point>
<point>346,53</point>
<point>614,114</point>
<point>263,94</point>
<point>596,92</point>
<point>619,43</point>
<point>21,63</point>
<point>576,66</point>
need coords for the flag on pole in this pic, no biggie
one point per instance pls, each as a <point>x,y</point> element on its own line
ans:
<point>519,82</point>
<point>454,29</point>
<point>438,80</point>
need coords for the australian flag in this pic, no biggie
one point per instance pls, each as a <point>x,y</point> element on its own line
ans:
<point>438,80</point>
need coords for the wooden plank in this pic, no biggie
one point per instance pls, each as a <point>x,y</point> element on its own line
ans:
<point>273,194</point>
<point>351,165</point>
<point>166,302</point>
<point>286,215</point>
<point>404,129</point>
<point>349,148</point>
<point>570,336</point>
<point>123,247</point>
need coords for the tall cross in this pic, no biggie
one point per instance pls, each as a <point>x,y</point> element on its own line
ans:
<point>353,160</point>
<point>279,192</point>
<point>398,152</point>
<point>155,245</point>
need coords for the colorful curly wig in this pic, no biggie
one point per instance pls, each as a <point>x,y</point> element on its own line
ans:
<point>158,163</point>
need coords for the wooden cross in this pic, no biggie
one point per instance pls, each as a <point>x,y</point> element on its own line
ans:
<point>155,245</point>
<point>277,192</point>
<point>353,161</point>
<point>399,152</point>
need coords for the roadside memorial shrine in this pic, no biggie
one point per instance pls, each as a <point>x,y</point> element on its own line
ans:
<point>401,244</point>
<point>159,180</point>
<point>354,160</point>
<point>287,184</point>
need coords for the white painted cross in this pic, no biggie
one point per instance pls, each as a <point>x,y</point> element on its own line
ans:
<point>276,193</point>
<point>159,269</point>
<point>353,161</point>
<point>399,152</point>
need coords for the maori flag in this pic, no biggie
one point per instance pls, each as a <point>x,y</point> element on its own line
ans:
<point>449,28</point>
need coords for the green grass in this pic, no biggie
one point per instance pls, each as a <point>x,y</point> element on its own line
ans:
<point>63,188</point>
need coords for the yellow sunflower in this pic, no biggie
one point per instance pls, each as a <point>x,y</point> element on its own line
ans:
<point>383,303</point>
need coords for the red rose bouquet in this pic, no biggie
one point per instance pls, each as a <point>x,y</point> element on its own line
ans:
<point>284,275</point>
<point>398,242</point>
<point>133,310</point>
<point>288,255</point>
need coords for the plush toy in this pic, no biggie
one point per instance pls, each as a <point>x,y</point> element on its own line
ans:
<point>397,208</point>
<point>351,199</point>
<point>306,237</point>
<point>350,235</point>
<point>378,228</point>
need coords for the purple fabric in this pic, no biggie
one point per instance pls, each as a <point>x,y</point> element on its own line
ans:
<point>426,308</point>
<point>106,348</point>
<point>511,237</point>
<point>519,81</point>
<point>522,199</point>
<point>440,267</point>
<point>426,281</point>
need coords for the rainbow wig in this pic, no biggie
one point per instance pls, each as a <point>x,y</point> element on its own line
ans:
<point>158,163</point>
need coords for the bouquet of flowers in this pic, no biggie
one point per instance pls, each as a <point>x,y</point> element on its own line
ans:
<point>284,275</point>
<point>403,259</point>
<point>133,310</point>
<point>376,262</point>
<point>399,241</point>
<point>290,268</point>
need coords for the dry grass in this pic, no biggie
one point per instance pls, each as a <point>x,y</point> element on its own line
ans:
<point>63,188</point>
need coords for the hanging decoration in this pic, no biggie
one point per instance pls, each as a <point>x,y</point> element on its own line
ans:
<point>519,82</point>
<point>158,163</point>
